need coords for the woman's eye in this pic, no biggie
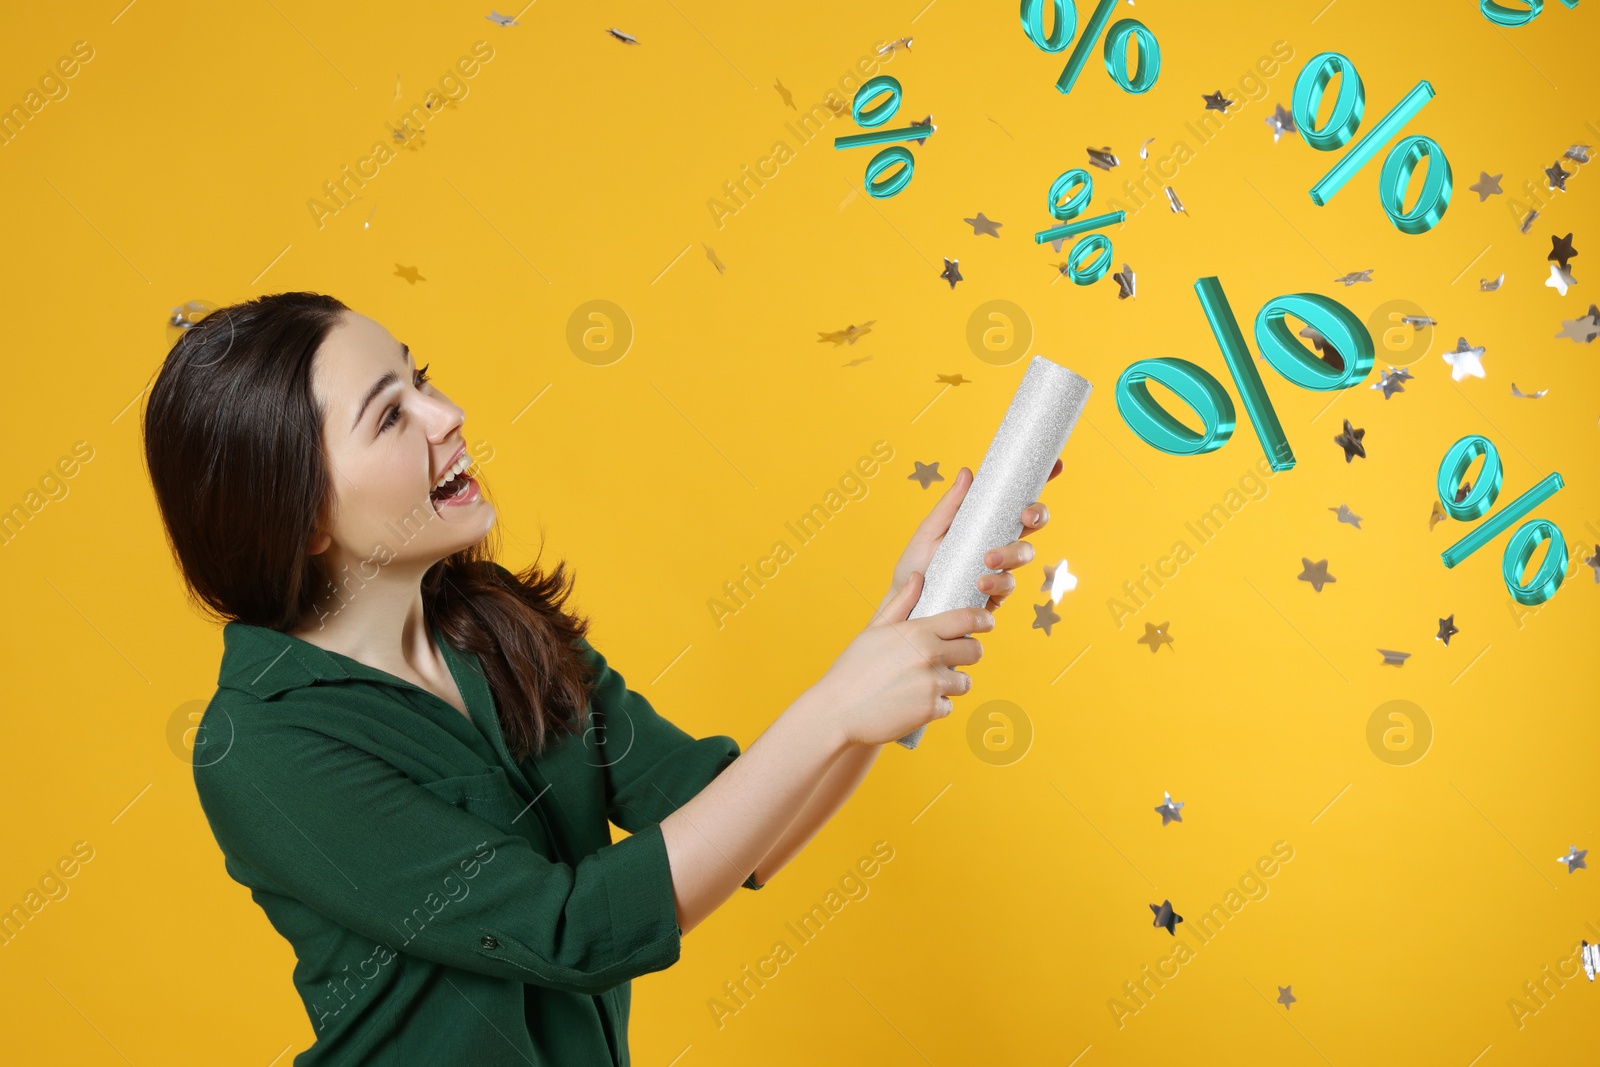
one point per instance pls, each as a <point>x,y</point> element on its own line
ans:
<point>419,380</point>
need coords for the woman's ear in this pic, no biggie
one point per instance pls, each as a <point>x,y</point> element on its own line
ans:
<point>319,543</point>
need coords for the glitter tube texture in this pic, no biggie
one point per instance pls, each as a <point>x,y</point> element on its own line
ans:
<point>1024,450</point>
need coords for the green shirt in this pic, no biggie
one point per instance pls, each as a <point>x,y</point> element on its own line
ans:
<point>446,903</point>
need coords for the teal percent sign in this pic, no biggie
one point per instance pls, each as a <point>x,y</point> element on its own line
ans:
<point>1398,165</point>
<point>1501,15</point>
<point>1067,211</point>
<point>1197,387</point>
<point>1544,582</point>
<point>1124,31</point>
<point>870,113</point>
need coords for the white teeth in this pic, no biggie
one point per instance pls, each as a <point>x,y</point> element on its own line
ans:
<point>460,465</point>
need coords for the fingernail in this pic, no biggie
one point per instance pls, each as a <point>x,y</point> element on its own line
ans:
<point>992,559</point>
<point>985,584</point>
<point>1033,518</point>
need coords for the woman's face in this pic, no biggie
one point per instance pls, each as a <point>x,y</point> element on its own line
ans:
<point>389,437</point>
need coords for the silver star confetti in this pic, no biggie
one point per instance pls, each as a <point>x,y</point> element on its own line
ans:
<point>1527,396</point>
<point>1165,916</point>
<point>1447,630</point>
<point>1486,186</point>
<point>1125,282</point>
<point>1044,617</point>
<point>1285,997</point>
<point>1316,573</point>
<point>1487,286</point>
<point>625,38</point>
<point>952,272</point>
<point>1058,581</point>
<point>1578,153</point>
<point>1392,658</point>
<point>1217,102</point>
<point>1170,809</point>
<point>1172,198</point>
<point>902,43</point>
<point>1591,959</point>
<point>1356,276</point>
<point>1560,279</point>
<point>1281,121</point>
<point>983,224</point>
<point>1144,149</point>
<point>1594,561</point>
<point>1417,322</point>
<point>499,19</point>
<point>1391,382</point>
<point>1557,176</point>
<point>1465,360</point>
<point>1528,221</point>
<point>925,474</point>
<point>1574,858</point>
<point>927,120</point>
<point>1103,158</point>
<point>1581,330</point>
<point>1346,515</point>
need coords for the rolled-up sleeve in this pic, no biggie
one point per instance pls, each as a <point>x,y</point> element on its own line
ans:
<point>652,766</point>
<point>356,840</point>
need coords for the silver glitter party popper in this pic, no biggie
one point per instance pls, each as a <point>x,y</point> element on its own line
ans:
<point>1035,429</point>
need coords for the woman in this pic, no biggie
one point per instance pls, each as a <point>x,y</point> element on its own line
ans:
<point>413,753</point>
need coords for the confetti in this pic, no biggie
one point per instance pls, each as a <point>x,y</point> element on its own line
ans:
<point>1170,809</point>
<point>1447,629</point>
<point>625,38</point>
<point>849,335</point>
<point>903,44</point>
<point>1526,396</point>
<point>1217,102</point>
<point>1350,441</point>
<point>1144,149</point>
<point>1125,282</point>
<point>951,272</point>
<point>925,474</point>
<point>1578,153</point>
<point>927,120</point>
<point>1155,637</point>
<point>1557,176</point>
<point>1357,276</point>
<point>1437,517</point>
<point>982,224</point>
<point>1391,382</point>
<point>1058,581</point>
<point>1594,561</point>
<point>1103,158</point>
<point>499,19</point>
<point>408,273</point>
<point>1346,515</point>
<point>1561,249</point>
<point>1528,220</point>
<point>788,97</point>
<point>1281,121</point>
<point>1172,198</point>
<point>1165,916</point>
<point>1285,997</point>
<point>1044,617</point>
<point>1574,859</point>
<point>1591,959</point>
<point>1392,658</point>
<point>1485,285</point>
<point>711,254</point>
<point>1465,360</point>
<point>1417,322</point>
<point>1486,186</point>
<point>952,379</point>
<point>1581,330</point>
<point>1316,573</point>
<point>1560,279</point>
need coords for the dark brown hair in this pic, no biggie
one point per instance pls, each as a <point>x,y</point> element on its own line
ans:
<point>233,443</point>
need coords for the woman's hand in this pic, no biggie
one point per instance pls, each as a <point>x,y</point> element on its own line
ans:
<point>926,540</point>
<point>896,675</point>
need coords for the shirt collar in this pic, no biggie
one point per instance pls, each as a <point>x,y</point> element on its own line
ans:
<point>265,662</point>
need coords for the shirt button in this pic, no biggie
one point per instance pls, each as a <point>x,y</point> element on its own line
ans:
<point>489,942</point>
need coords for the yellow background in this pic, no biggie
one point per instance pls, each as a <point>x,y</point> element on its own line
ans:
<point>179,167</point>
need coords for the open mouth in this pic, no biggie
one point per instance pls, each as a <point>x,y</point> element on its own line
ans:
<point>455,489</point>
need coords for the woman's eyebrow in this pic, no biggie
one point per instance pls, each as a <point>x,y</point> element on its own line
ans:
<point>388,379</point>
